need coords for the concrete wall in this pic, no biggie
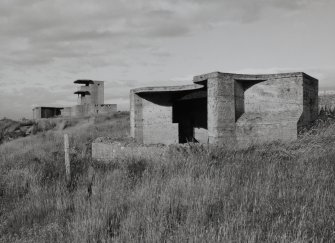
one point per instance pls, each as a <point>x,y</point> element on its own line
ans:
<point>89,110</point>
<point>136,117</point>
<point>107,108</point>
<point>151,119</point>
<point>311,101</point>
<point>97,92</point>
<point>66,112</point>
<point>77,110</point>
<point>239,100</point>
<point>37,113</point>
<point>155,118</point>
<point>275,95</point>
<point>112,151</point>
<point>100,89</point>
<point>272,111</point>
<point>102,109</point>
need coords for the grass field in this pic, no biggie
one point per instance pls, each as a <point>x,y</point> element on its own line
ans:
<point>279,192</point>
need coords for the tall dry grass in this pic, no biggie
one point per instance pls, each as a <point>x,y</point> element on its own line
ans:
<point>279,192</point>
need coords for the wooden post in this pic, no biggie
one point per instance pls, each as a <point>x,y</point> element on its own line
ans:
<point>67,158</point>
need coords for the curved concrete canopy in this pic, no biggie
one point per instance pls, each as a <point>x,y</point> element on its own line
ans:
<point>82,92</point>
<point>165,89</point>
<point>84,81</point>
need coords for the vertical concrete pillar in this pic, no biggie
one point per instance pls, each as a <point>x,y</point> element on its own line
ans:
<point>136,117</point>
<point>132,114</point>
<point>100,99</point>
<point>221,110</point>
<point>92,98</point>
<point>37,114</point>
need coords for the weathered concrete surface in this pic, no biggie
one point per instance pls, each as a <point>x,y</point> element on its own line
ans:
<point>221,110</point>
<point>109,150</point>
<point>113,150</point>
<point>225,109</point>
<point>271,110</point>
<point>102,109</point>
<point>66,112</point>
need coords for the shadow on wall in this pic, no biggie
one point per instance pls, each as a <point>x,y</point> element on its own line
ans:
<point>163,99</point>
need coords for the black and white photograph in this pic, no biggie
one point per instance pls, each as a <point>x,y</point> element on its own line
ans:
<point>167,121</point>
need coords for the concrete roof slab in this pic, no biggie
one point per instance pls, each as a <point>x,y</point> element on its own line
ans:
<point>248,77</point>
<point>165,89</point>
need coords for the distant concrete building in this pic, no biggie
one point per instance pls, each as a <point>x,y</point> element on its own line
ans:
<point>90,100</point>
<point>90,103</point>
<point>46,112</point>
<point>225,109</point>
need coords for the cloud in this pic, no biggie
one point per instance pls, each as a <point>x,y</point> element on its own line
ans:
<point>48,30</point>
<point>55,41</point>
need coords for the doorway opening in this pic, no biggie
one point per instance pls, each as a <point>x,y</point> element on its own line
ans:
<point>190,115</point>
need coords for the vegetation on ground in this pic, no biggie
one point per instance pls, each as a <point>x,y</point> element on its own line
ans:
<point>11,130</point>
<point>278,192</point>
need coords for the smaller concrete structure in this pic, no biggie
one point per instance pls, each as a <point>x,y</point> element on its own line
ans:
<point>46,112</point>
<point>90,100</point>
<point>90,103</point>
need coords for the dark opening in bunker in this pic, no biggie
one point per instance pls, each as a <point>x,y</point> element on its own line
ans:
<point>190,114</point>
<point>48,112</point>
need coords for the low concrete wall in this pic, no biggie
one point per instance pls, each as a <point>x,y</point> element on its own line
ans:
<point>66,112</point>
<point>104,109</point>
<point>89,110</point>
<point>108,151</point>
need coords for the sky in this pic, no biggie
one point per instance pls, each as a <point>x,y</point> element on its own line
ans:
<point>45,45</point>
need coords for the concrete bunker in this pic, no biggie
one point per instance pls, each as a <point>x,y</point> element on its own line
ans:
<point>46,112</point>
<point>225,108</point>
